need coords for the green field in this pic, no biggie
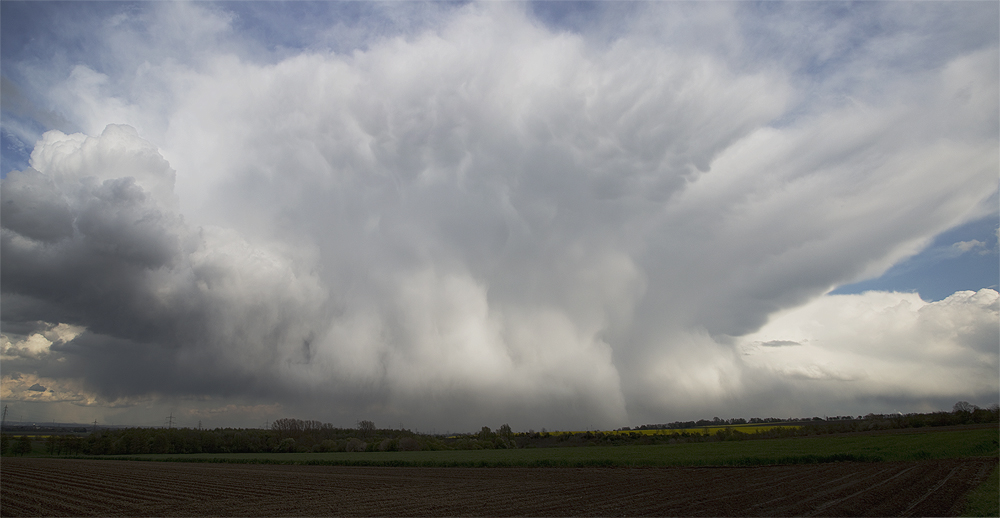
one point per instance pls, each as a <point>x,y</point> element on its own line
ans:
<point>802,450</point>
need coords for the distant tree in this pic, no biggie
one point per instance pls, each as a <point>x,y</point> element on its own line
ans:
<point>287,445</point>
<point>963,406</point>
<point>23,445</point>
<point>409,444</point>
<point>485,434</point>
<point>505,432</point>
<point>366,428</point>
<point>287,427</point>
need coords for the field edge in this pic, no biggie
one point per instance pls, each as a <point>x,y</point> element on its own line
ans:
<point>984,500</point>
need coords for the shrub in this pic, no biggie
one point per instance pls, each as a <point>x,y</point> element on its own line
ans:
<point>409,444</point>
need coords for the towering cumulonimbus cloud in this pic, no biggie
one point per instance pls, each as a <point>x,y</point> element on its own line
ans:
<point>485,221</point>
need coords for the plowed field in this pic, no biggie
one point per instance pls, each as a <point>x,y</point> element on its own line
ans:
<point>57,487</point>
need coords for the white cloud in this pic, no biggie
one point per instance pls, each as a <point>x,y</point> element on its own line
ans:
<point>33,346</point>
<point>29,388</point>
<point>38,344</point>
<point>967,246</point>
<point>490,219</point>
<point>883,344</point>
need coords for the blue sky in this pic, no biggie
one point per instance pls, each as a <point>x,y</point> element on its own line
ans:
<point>953,261</point>
<point>555,214</point>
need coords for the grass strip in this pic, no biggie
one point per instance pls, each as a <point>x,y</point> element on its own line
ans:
<point>985,499</point>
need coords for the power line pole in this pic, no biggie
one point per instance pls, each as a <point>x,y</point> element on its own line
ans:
<point>3,420</point>
<point>95,425</point>
<point>170,421</point>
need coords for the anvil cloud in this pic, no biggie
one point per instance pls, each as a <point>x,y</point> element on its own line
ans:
<point>488,213</point>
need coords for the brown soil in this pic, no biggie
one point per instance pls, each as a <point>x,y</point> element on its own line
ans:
<point>59,487</point>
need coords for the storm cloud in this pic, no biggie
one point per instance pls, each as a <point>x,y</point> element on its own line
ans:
<point>485,217</point>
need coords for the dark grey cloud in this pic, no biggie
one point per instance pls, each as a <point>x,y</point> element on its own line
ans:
<point>31,206</point>
<point>112,256</point>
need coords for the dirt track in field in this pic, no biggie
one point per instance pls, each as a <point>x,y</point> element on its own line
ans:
<point>57,487</point>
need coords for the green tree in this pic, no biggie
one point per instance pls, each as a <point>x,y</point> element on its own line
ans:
<point>287,445</point>
<point>23,445</point>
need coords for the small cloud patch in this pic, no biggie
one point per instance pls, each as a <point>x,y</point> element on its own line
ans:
<point>972,245</point>
<point>779,343</point>
<point>37,388</point>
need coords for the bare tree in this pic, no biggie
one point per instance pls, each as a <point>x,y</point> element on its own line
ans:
<point>287,427</point>
<point>366,428</point>
<point>963,406</point>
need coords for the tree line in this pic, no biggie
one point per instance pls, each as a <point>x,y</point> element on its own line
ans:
<point>962,412</point>
<point>284,436</point>
<point>298,436</point>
